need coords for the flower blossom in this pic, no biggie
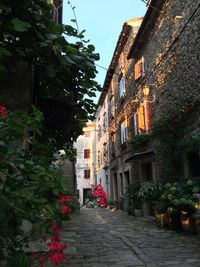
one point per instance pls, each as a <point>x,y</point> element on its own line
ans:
<point>65,209</point>
<point>63,198</point>
<point>3,112</point>
<point>57,258</point>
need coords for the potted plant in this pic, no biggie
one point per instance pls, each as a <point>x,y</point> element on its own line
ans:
<point>150,193</point>
<point>135,205</point>
<point>180,201</point>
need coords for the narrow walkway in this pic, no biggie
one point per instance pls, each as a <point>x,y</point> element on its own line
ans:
<point>101,238</point>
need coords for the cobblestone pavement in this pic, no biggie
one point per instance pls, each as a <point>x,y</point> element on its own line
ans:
<point>101,238</point>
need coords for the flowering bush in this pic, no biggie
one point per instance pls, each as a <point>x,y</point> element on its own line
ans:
<point>100,195</point>
<point>31,190</point>
<point>3,112</point>
<point>55,253</point>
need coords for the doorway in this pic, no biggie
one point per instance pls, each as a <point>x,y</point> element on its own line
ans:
<point>86,193</point>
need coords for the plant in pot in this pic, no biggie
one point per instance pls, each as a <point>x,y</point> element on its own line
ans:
<point>150,192</point>
<point>179,199</point>
<point>135,205</point>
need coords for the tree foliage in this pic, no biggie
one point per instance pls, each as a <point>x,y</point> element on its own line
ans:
<point>65,68</point>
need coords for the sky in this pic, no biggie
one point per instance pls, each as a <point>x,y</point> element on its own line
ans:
<point>103,21</point>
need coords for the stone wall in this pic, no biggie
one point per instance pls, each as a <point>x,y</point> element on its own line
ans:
<point>171,53</point>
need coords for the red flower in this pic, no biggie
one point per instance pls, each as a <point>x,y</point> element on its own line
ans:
<point>63,198</point>
<point>57,258</point>
<point>3,112</point>
<point>53,245</point>
<point>56,229</point>
<point>67,198</point>
<point>65,209</point>
<point>55,238</point>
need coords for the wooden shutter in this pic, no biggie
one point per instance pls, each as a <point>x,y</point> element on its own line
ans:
<point>86,153</point>
<point>141,119</point>
<point>139,69</point>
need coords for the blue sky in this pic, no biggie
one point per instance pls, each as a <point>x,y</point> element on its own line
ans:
<point>103,21</point>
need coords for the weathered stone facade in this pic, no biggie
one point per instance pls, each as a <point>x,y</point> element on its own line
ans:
<point>167,48</point>
<point>120,171</point>
<point>169,43</point>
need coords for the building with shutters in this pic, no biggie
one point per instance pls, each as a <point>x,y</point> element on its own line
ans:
<point>116,95</point>
<point>85,162</point>
<point>153,93</point>
<point>102,156</point>
<point>165,57</point>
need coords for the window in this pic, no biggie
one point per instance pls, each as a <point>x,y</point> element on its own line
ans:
<point>99,132</point>
<point>87,134</point>
<point>104,121</point>
<point>121,86</point>
<point>98,159</point>
<point>86,153</point>
<point>124,134</point>
<point>112,108</point>
<point>101,157</point>
<point>87,174</point>
<point>111,89</point>
<point>105,152</point>
<point>139,68</point>
<point>135,123</point>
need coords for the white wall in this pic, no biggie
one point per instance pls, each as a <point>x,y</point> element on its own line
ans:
<point>82,163</point>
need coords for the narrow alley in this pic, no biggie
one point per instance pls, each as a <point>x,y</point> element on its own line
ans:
<point>101,238</point>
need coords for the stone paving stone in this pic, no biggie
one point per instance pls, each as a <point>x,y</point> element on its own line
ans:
<point>106,239</point>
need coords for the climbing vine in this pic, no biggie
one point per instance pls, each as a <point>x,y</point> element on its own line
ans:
<point>169,131</point>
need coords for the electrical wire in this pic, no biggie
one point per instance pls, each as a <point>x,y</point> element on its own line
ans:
<point>144,81</point>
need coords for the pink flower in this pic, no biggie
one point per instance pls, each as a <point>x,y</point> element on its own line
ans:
<point>95,194</point>
<point>65,209</point>
<point>102,202</point>
<point>3,112</point>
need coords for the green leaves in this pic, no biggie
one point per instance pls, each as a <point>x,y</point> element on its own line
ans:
<point>19,25</point>
<point>29,185</point>
<point>4,52</point>
<point>51,71</point>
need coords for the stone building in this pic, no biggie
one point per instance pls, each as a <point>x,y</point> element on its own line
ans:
<point>85,162</point>
<point>102,167</point>
<point>115,93</point>
<point>167,44</point>
<point>154,91</point>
